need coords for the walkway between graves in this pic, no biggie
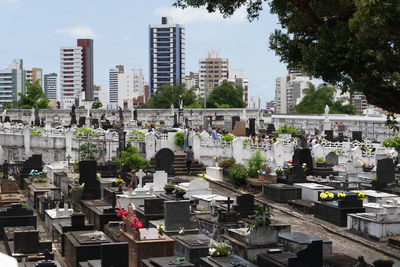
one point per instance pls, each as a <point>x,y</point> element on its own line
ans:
<point>338,231</point>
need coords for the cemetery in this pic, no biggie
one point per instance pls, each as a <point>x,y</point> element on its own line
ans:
<point>88,191</point>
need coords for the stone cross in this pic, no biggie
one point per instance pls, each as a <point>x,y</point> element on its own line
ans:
<point>140,174</point>
<point>69,158</point>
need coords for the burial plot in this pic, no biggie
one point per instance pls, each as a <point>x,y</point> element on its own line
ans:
<point>16,215</point>
<point>357,136</point>
<point>26,243</point>
<point>192,247</point>
<point>10,193</point>
<point>282,193</point>
<point>231,260</point>
<point>239,129</point>
<point>166,262</point>
<point>329,135</point>
<point>49,201</point>
<point>244,205</point>
<point>32,163</point>
<point>384,173</point>
<point>164,161</point>
<point>109,258</point>
<point>150,244</point>
<point>296,241</point>
<point>76,223</point>
<point>83,246</point>
<point>53,216</point>
<point>297,175</point>
<point>332,159</point>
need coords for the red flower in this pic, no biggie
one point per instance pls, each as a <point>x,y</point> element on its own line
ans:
<point>138,225</point>
<point>122,213</point>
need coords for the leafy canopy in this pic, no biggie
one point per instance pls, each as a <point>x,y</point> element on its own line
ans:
<point>168,94</point>
<point>316,99</point>
<point>226,96</point>
<point>34,97</point>
<point>352,44</point>
<point>130,159</point>
<point>97,105</point>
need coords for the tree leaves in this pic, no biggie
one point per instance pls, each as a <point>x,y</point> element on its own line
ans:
<point>34,97</point>
<point>226,96</point>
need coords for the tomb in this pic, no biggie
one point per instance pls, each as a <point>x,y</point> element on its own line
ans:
<point>88,176</point>
<point>214,173</point>
<point>282,192</point>
<point>198,186</point>
<point>76,223</point>
<point>311,191</point>
<point>231,260</point>
<point>192,247</point>
<point>312,256</point>
<point>149,244</point>
<point>384,173</point>
<point>297,175</point>
<point>49,201</point>
<point>335,211</point>
<point>57,215</point>
<point>35,190</point>
<point>32,163</point>
<point>248,244</point>
<point>83,246</point>
<point>109,258</point>
<point>153,209</point>
<point>176,216</point>
<point>164,161</point>
<point>166,262</point>
<point>10,193</point>
<point>16,215</point>
<point>296,241</point>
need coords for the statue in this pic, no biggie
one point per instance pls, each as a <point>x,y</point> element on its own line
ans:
<point>180,102</point>
<point>172,110</point>
<point>3,115</point>
<point>327,113</point>
<point>73,115</point>
<point>76,194</point>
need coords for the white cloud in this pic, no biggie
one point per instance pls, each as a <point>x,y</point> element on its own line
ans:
<point>13,4</point>
<point>199,15</point>
<point>82,31</point>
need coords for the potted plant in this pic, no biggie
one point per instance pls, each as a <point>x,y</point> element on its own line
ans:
<point>261,174</point>
<point>179,192</point>
<point>226,165</point>
<point>238,174</point>
<point>255,162</point>
<point>367,167</point>
<point>279,172</point>
<point>169,188</point>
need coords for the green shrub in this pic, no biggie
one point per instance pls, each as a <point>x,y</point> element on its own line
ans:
<point>255,162</point>
<point>287,129</point>
<point>131,159</point>
<point>239,174</point>
<point>227,163</point>
<point>227,138</point>
<point>88,151</point>
<point>179,139</point>
<point>392,142</point>
<point>320,160</point>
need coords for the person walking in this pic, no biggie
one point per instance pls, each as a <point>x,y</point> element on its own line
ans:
<point>189,159</point>
<point>214,135</point>
<point>186,138</point>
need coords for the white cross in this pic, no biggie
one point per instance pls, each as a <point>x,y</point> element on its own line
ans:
<point>140,174</point>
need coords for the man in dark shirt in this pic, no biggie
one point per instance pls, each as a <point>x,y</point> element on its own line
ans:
<point>189,158</point>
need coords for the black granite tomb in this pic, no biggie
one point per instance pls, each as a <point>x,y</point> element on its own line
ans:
<point>164,161</point>
<point>153,209</point>
<point>88,175</point>
<point>282,192</point>
<point>384,173</point>
<point>16,215</point>
<point>329,135</point>
<point>357,136</point>
<point>244,205</point>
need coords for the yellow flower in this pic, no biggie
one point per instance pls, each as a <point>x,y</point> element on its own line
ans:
<point>119,180</point>
<point>123,164</point>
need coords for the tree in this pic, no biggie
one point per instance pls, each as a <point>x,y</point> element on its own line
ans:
<point>168,94</point>
<point>97,105</point>
<point>34,97</point>
<point>226,96</point>
<point>351,44</point>
<point>315,100</point>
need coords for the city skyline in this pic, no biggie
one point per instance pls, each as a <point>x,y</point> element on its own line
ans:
<point>120,33</point>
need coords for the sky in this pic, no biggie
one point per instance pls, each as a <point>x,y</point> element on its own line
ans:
<point>34,30</point>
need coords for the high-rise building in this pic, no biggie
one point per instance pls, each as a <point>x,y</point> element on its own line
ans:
<point>254,102</point>
<point>50,85</point>
<point>212,70</point>
<point>87,67</point>
<point>270,107</point>
<point>167,54</point>
<point>113,85</point>
<point>130,85</point>
<point>100,94</point>
<point>76,73</point>
<point>192,80</point>
<point>34,74</point>
<point>12,81</point>
<point>289,91</point>
<point>237,77</point>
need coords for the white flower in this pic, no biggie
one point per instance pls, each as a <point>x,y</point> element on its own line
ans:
<point>211,251</point>
<point>182,231</point>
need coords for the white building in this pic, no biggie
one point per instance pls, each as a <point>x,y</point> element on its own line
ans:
<point>289,91</point>
<point>191,80</point>
<point>33,75</point>
<point>100,94</point>
<point>50,85</point>
<point>113,86</point>
<point>12,81</point>
<point>237,77</point>
<point>254,102</point>
<point>130,85</point>
<point>70,76</point>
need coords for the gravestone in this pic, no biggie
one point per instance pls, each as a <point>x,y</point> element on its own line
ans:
<point>340,137</point>
<point>303,155</point>
<point>109,252</point>
<point>244,205</point>
<point>27,242</point>
<point>153,209</point>
<point>192,247</point>
<point>82,121</point>
<point>16,215</point>
<point>164,161</point>
<point>270,128</point>
<point>329,135</point>
<point>297,175</point>
<point>88,175</point>
<point>252,126</point>
<point>177,215</point>
<point>384,172</point>
<point>357,136</point>
<point>332,159</point>
<point>160,178</point>
<point>9,187</point>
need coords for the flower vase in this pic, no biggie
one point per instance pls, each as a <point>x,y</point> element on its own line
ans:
<point>125,227</point>
<point>261,177</point>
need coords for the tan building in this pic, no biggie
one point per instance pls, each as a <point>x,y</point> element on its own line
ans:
<point>34,74</point>
<point>212,70</point>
